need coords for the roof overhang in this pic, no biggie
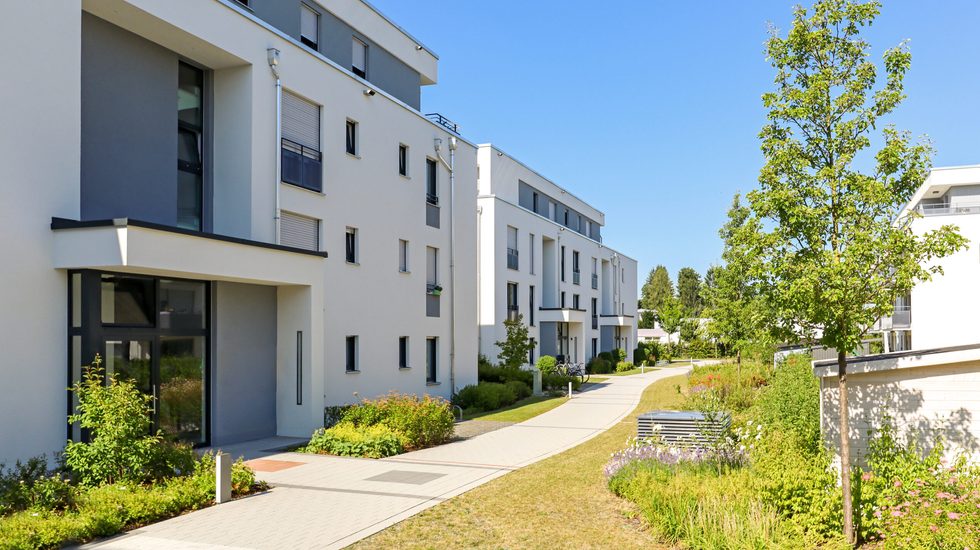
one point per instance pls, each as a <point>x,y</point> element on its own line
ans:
<point>132,246</point>
<point>900,360</point>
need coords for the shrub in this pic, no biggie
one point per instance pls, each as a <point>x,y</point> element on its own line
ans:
<point>347,439</point>
<point>619,354</point>
<point>624,366</point>
<point>546,364</point>
<point>606,356</point>
<point>598,365</point>
<point>520,389</point>
<point>487,396</point>
<point>502,375</point>
<point>791,402</point>
<point>120,449</point>
<point>560,382</point>
<point>28,486</point>
<point>419,421</point>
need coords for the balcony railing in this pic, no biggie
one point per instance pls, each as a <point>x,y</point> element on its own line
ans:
<point>301,165</point>
<point>595,281</point>
<point>902,317</point>
<point>432,199</point>
<point>512,262</point>
<point>595,322</point>
<point>576,277</point>
<point>949,209</point>
<point>512,313</point>
<point>443,121</point>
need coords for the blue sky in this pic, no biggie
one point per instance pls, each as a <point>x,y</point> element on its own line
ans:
<point>650,110</point>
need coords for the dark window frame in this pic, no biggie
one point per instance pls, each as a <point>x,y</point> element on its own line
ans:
<point>431,182</point>
<point>350,245</point>
<point>403,352</point>
<point>350,137</point>
<point>350,353</point>
<point>403,159</point>
<point>432,360</point>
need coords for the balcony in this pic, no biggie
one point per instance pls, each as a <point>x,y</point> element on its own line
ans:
<point>576,277</point>
<point>900,319</point>
<point>949,209</point>
<point>613,320</point>
<point>301,166</point>
<point>512,262</point>
<point>561,315</point>
<point>432,199</point>
<point>513,312</point>
<point>595,281</point>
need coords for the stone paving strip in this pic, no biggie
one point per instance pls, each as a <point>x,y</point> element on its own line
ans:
<point>319,501</point>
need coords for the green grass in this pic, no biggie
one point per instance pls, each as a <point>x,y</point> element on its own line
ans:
<point>524,409</point>
<point>560,502</point>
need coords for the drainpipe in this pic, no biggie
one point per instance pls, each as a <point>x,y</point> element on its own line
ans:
<point>452,255</point>
<point>274,66</point>
<point>479,277</point>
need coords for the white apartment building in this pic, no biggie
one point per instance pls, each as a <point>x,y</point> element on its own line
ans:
<point>944,311</point>
<point>541,256</point>
<point>238,204</point>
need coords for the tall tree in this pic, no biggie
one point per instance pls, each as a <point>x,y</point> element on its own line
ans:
<point>515,349</point>
<point>689,290</point>
<point>648,319</point>
<point>833,245</point>
<point>736,310</point>
<point>670,315</point>
<point>656,289</point>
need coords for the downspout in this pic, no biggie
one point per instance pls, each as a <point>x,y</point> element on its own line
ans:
<point>452,255</point>
<point>273,55</point>
<point>479,277</point>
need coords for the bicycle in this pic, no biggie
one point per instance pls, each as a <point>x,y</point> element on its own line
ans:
<point>575,370</point>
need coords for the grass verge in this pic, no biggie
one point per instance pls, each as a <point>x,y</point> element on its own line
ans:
<point>524,409</point>
<point>560,502</point>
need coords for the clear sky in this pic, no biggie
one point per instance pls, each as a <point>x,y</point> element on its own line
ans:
<point>650,110</point>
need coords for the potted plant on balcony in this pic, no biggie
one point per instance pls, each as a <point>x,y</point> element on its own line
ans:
<point>435,290</point>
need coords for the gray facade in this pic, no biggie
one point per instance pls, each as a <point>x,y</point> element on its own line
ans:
<point>243,383</point>
<point>335,40</point>
<point>575,220</point>
<point>129,125</point>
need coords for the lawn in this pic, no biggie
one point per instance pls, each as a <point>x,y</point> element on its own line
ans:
<point>524,409</point>
<point>560,502</point>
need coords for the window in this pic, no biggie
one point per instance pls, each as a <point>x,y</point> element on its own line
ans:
<point>403,255</point>
<point>534,202</point>
<point>595,274</point>
<point>530,301</point>
<point>530,351</point>
<point>403,352</point>
<point>512,309</point>
<point>431,360</point>
<point>512,259</point>
<point>561,300</point>
<point>301,158</point>
<point>359,58</point>
<point>595,347</point>
<point>595,314</point>
<point>575,301</point>
<point>576,274</point>
<point>190,150</point>
<point>403,159</point>
<point>562,264</point>
<point>309,26</point>
<point>351,140</point>
<point>431,182</point>
<point>299,231</point>
<point>566,217</point>
<point>530,252</point>
<point>432,266</point>
<point>351,245</point>
<point>351,348</point>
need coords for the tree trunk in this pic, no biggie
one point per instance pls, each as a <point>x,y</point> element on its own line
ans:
<point>845,449</point>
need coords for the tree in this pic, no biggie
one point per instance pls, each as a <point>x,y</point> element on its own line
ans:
<point>689,290</point>
<point>516,348</point>
<point>834,248</point>
<point>670,316</point>
<point>647,319</point>
<point>656,289</point>
<point>737,312</point>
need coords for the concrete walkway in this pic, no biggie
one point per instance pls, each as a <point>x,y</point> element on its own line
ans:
<point>329,502</point>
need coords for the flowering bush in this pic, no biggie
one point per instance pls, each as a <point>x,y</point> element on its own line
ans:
<point>656,451</point>
<point>909,497</point>
<point>419,421</point>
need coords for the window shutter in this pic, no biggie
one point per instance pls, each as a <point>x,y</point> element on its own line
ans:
<point>308,24</point>
<point>299,231</point>
<point>300,121</point>
<point>359,51</point>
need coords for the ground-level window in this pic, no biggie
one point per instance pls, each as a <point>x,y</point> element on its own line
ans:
<point>431,360</point>
<point>403,352</point>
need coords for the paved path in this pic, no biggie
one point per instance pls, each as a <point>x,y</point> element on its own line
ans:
<point>330,502</point>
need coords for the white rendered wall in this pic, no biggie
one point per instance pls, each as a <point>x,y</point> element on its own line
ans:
<point>39,178</point>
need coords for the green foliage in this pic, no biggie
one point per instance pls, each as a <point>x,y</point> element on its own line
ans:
<point>558,382</point>
<point>670,315</point>
<point>29,486</point>
<point>619,354</point>
<point>514,350</point>
<point>733,389</point>
<point>520,389</point>
<point>915,496</point>
<point>598,365</point>
<point>120,448</point>
<point>648,319</point>
<point>487,396</point>
<point>348,439</point>
<point>699,348</point>
<point>108,509</point>
<point>689,290</point>
<point>503,375</point>
<point>605,355</point>
<point>791,402</point>
<point>656,289</point>
<point>689,330</point>
<point>546,364</point>
<point>419,421</point>
<point>647,353</point>
<point>624,366</point>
